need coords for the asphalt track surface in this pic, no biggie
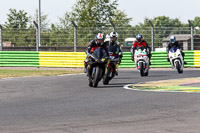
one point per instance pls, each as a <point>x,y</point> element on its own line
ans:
<point>65,104</point>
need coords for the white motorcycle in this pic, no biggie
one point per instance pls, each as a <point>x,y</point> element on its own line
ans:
<point>142,61</point>
<point>176,59</point>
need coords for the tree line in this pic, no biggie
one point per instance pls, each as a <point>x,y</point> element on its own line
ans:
<point>91,16</point>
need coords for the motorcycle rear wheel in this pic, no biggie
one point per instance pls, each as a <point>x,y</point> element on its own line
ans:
<point>90,82</point>
<point>106,77</point>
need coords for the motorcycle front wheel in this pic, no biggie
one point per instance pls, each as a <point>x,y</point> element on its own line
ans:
<point>141,69</point>
<point>178,67</point>
<point>97,76</point>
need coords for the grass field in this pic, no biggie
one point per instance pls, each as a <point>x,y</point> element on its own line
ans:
<point>5,73</point>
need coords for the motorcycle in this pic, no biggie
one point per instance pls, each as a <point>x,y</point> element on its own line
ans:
<point>176,59</point>
<point>111,70</point>
<point>142,61</point>
<point>96,66</point>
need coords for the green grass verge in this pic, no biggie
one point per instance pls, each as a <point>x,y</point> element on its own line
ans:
<point>5,73</point>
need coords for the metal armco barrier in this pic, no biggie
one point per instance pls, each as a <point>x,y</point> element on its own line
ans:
<point>75,59</point>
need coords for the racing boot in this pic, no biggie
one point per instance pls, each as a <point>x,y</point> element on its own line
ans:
<point>85,67</point>
<point>149,62</point>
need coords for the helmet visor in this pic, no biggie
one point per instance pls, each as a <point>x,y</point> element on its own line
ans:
<point>172,40</point>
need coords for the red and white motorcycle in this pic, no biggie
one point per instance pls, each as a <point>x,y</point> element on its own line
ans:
<point>142,61</point>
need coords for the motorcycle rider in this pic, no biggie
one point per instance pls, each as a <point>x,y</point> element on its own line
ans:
<point>174,43</point>
<point>140,42</point>
<point>107,39</point>
<point>93,44</point>
<point>113,42</point>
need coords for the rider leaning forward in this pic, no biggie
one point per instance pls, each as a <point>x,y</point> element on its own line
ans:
<point>140,42</point>
<point>93,44</point>
<point>174,43</point>
<point>111,40</point>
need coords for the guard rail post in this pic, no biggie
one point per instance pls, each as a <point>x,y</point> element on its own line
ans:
<point>152,35</point>
<point>1,38</point>
<point>75,36</point>
<point>112,25</point>
<point>37,42</point>
<point>192,34</point>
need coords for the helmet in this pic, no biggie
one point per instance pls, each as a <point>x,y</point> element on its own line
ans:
<point>100,38</point>
<point>139,38</point>
<point>172,39</point>
<point>113,37</point>
<point>107,38</point>
<point>113,34</point>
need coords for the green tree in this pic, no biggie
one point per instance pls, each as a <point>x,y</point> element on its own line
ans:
<point>163,27</point>
<point>16,31</point>
<point>196,21</point>
<point>44,20</point>
<point>93,16</point>
<point>17,19</point>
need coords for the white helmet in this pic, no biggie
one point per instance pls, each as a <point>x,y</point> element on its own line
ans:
<point>113,34</point>
<point>107,36</point>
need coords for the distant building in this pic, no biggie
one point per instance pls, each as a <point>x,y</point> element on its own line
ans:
<point>9,44</point>
<point>184,40</point>
<point>129,41</point>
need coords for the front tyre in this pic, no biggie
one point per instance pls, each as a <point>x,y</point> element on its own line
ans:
<point>141,69</point>
<point>146,74</point>
<point>97,76</point>
<point>178,67</point>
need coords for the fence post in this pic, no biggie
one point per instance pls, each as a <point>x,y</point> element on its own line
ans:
<point>192,34</point>
<point>152,35</point>
<point>39,24</point>
<point>75,36</point>
<point>112,25</point>
<point>37,43</point>
<point>1,38</point>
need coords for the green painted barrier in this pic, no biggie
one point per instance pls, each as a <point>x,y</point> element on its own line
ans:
<point>75,59</point>
<point>19,59</point>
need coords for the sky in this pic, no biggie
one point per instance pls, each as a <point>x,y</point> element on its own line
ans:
<point>136,9</point>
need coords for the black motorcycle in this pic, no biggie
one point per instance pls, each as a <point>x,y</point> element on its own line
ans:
<point>96,66</point>
<point>111,70</point>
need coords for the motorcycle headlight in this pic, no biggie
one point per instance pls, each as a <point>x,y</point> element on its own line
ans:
<point>103,59</point>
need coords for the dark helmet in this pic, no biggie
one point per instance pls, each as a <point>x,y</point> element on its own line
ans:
<point>172,39</point>
<point>139,38</point>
